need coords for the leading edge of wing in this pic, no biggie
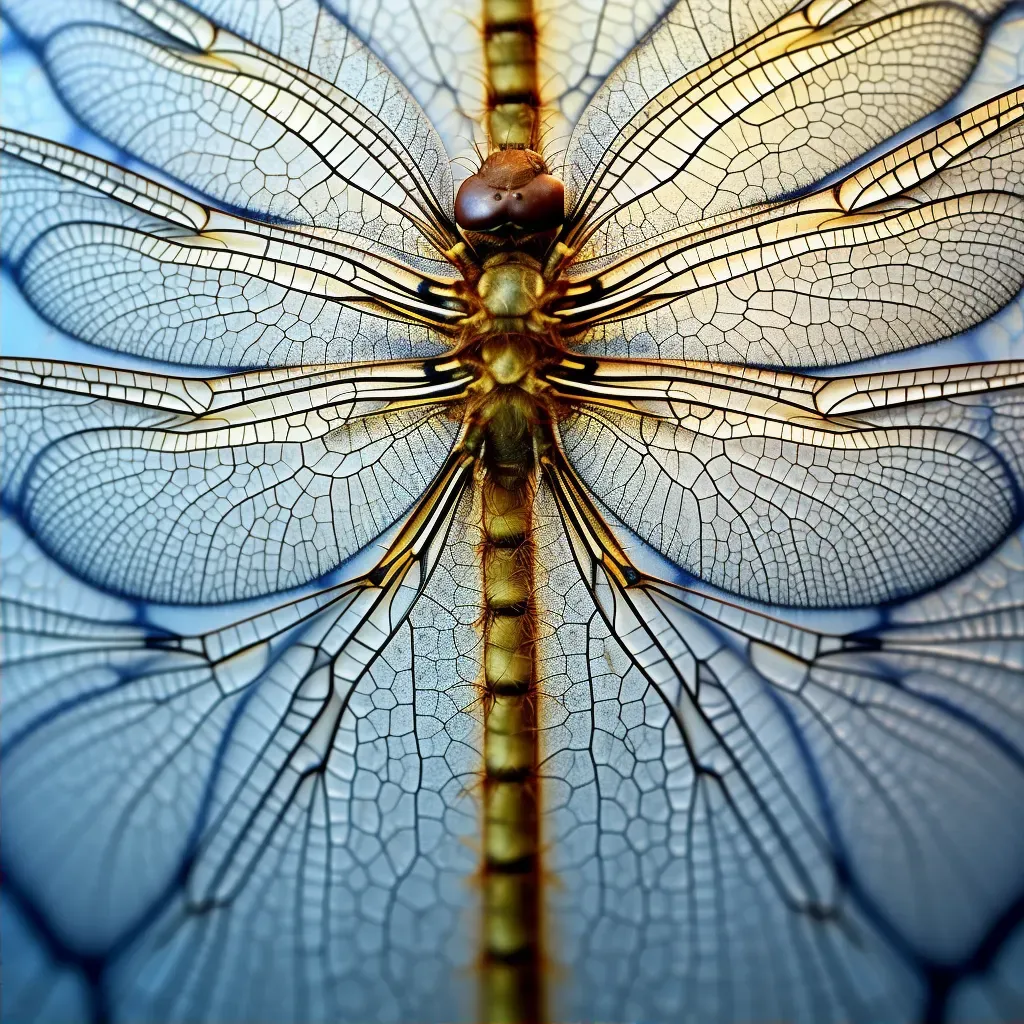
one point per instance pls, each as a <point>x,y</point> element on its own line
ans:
<point>185,490</point>
<point>919,245</point>
<point>123,262</point>
<point>803,491</point>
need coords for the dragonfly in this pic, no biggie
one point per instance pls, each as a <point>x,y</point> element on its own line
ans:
<point>501,591</point>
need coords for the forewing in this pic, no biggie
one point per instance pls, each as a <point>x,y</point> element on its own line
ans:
<point>805,491</point>
<point>665,143</point>
<point>120,261</point>
<point>920,244</point>
<point>192,491</point>
<point>334,140</point>
<point>758,816</point>
<point>271,816</point>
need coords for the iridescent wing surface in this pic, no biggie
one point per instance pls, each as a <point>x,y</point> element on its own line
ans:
<point>781,614</point>
<point>820,775</point>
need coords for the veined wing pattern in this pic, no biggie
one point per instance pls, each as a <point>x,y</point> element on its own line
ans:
<point>437,608</point>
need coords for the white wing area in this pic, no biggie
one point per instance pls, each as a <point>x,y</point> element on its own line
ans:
<point>291,796</point>
<point>680,132</point>
<point>784,818</point>
<point>333,140</point>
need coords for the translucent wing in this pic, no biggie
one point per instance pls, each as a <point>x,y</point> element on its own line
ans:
<point>916,246</point>
<point>751,812</point>
<point>123,262</point>
<point>763,816</point>
<point>183,490</point>
<point>334,141</point>
<point>804,491</point>
<point>435,50</point>
<point>666,143</point>
<point>288,794</point>
<point>685,36</point>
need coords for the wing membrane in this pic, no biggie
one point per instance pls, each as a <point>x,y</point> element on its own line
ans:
<point>799,490</point>
<point>122,262</point>
<point>751,774</point>
<point>917,246</point>
<point>270,733</point>
<point>247,127</point>
<point>786,107</point>
<point>268,480</point>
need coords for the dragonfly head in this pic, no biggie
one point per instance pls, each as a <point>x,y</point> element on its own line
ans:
<point>510,201</point>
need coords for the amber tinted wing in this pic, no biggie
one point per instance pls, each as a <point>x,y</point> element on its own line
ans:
<point>666,143</point>
<point>918,245</point>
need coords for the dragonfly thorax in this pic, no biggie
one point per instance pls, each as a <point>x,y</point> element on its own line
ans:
<point>510,287</point>
<point>509,213</point>
<point>508,357</point>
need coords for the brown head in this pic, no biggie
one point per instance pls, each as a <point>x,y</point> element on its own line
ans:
<point>511,194</point>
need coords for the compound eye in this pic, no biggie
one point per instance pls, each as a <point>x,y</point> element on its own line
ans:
<point>541,204</point>
<point>479,206</point>
<point>537,206</point>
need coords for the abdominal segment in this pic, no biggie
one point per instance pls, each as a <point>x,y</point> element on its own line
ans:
<point>510,51</point>
<point>512,983</point>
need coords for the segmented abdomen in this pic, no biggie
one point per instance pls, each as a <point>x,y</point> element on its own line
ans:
<point>510,51</point>
<point>512,991</point>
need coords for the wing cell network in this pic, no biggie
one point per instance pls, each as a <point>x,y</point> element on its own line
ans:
<point>308,764</point>
<point>343,146</point>
<point>122,262</point>
<point>268,480</point>
<point>774,796</point>
<point>764,623</point>
<point>917,246</point>
<point>786,107</point>
<point>760,484</point>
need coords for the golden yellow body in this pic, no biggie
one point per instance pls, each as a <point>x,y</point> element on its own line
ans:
<point>504,338</point>
<point>512,989</point>
<point>510,51</point>
<point>508,429</point>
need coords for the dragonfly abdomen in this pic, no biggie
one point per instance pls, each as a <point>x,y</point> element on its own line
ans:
<point>510,51</point>
<point>512,946</point>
